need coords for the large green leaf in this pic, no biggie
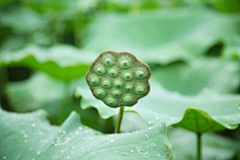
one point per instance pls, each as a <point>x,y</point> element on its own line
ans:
<point>56,97</point>
<point>63,61</point>
<point>40,92</point>
<point>199,76</point>
<point>162,36</point>
<point>214,147</point>
<point>34,138</point>
<point>215,111</point>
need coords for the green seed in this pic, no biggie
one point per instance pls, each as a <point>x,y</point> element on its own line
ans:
<point>124,63</point>
<point>113,72</point>
<point>106,83</point>
<point>94,81</point>
<point>140,74</point>
<point>127,99</point>
<point>108,62</point>
<point>111,101</point>
<point>127,76</point>
<point>128,87</point>
<point>99,92</point>
<point>140,90</point>
<point>118,84</point>
<point>100,70</point>
<point>116,93</point>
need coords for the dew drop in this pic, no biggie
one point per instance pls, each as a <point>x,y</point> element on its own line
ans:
<point>33,125</point>
<point>39,152</point>
<point>4,157</point>
<point>153,144</point>
<point>112,140</point>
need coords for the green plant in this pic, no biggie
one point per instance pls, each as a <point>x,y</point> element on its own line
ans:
<point>118,79</point>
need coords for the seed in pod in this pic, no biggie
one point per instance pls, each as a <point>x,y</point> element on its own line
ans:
<point>113,72</point>
<point>94,81</point>
<point>125,63</point>
<point>128,76</point>
<point>100,70</point>
<point>116,92</point>
<point>99,92</point>
<point>140,89</point>
<point>106,83</point>
<point>111,101</point>
<point>108,61</point>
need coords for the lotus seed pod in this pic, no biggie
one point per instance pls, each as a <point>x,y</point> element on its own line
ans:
<point>118,78</point>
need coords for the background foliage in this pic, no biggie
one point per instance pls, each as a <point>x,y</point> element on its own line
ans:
<point>192,48</point>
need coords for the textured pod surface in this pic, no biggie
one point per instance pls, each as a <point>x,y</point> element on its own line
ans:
<point>118,78</point>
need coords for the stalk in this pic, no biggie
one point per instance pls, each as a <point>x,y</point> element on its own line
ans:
<point>119,119</point>
<point>199,146</point>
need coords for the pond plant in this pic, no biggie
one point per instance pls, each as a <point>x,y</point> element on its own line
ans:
<point>119,79</point>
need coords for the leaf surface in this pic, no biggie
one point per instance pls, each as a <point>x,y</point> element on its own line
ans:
<point>219,111</point>
<point>62,62</point>
<point>213,146</point>
<point>35,138</point>
<point>163,36</point>
<point>202,75</point>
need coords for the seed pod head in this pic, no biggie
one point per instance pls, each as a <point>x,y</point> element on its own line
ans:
<point>118,78</point>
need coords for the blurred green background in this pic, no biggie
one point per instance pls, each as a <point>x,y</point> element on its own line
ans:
<point>192,47</point>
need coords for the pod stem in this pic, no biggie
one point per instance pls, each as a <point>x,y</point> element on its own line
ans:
<point>199,146</point>
<point>119,120</point>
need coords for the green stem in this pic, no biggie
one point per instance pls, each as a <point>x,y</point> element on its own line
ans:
<point>119,119</point>
<point>199,146</point>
